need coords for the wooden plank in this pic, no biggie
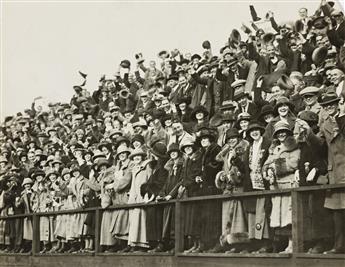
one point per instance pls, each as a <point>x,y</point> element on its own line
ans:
<point>98,218</point>
<point>320,256</point>
<point>297,222</point>
<point>35,235</point>
<point>235,255</point>
<point>179,226</point>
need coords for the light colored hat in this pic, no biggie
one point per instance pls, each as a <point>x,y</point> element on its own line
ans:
<point>137,152</point>
<point>122,149</point>
<point>27,181</point>
<point>310,90</point>
<point>281,126</point>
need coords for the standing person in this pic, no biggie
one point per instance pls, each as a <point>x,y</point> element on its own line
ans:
<point>257,207</point>
<point>279,169</point>
<point>191,172</point>
<point>121,186</point>
<point>169,191</point>
<point>26,201</point>
<point>155,183</point>
<point>210,211</point>
<point>230,180</point>
<point>140,173</point>
<point>332,131</point>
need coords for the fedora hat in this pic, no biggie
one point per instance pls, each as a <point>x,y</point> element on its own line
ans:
<point>126,64</point>
<point>308,116</point>
<point>196,56</point>
<point>139,57</point>
<point>329,98</point>
<point>206,44</point>
<point>159,149</point>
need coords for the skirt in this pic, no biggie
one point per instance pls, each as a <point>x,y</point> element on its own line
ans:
<point>106,239</point>
<point>234,222</point>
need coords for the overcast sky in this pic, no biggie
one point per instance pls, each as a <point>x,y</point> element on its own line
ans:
<point>44,44</point>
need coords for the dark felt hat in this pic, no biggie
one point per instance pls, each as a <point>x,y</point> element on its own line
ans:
<point>329,98</point>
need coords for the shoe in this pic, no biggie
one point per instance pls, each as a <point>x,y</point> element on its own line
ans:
<point>22,250</point>
<point>231,251</point>
<point>44,250</point>
<point>316,250</point>
<point>216,249</point>
<point>190,250</point>
<point>72,250</point>
<point>288,250</point>
<point>197,250</point>
<point>244,251</point>
<point>334,251</point>
<point>140,250</point>
<point>126,249</point>
<point>171,251</point>
<point>159,248</point>
<point>262,250</point>
<point>112,249</point>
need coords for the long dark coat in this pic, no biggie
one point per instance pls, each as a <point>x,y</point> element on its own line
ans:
<point>211,211</point>
<point>154,215</point>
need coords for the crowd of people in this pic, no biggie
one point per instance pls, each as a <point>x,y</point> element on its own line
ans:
<point>267,112</point>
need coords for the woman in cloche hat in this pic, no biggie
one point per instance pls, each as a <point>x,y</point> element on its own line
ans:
<point>279,169</point>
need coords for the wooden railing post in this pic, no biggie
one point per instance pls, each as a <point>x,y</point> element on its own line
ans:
<point>98,216</point>
<point>297,221</point>
<point>35,234</point>
<point>179,233</point>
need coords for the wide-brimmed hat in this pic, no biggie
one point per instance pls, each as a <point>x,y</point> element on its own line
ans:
<point>36,173</point>
<point>206,133</point>
<point>187,142</point>
<point>283,101</point>
<point>281,126</point>
<point>137,152</point>
<point>228,118</point>
<point>115,131</point>
<point>173,148</point>
<point>159,149</point>
<point>50,172</point>
<point>122,149</point>
<point>231,133</point>
<point>265,110</point>
<point>102,162</point>
<point>98,154</point>
<point>254,125</point>
<point>27,181</point>
<point>65,171</point>
<point>199,109</point>
<point>329,98</point>
<point>104,144</point>
<point>3,159</point>
<point>196,56</point>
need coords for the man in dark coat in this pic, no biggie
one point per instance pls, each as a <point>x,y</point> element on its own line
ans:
<point>332,131</point>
